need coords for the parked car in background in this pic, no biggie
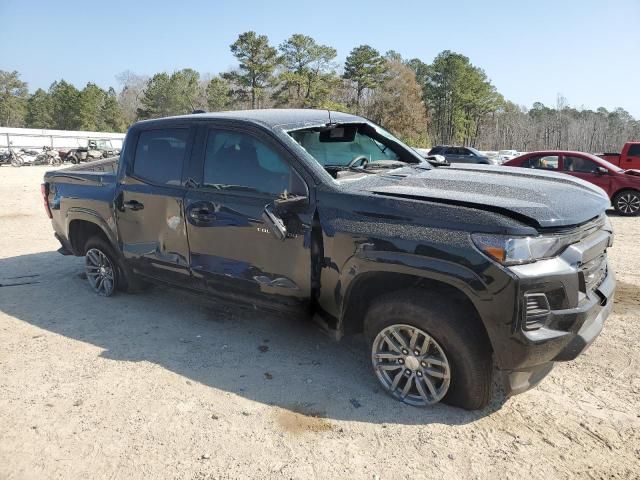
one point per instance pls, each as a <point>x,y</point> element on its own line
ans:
<point>506,155</point>
<point>628,158</point>
<point>622,186</point>
<point>461,154</point>
<point>95,150</point>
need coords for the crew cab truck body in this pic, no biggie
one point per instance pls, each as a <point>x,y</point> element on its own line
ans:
<point>444,269</point>
<point>629,158</point>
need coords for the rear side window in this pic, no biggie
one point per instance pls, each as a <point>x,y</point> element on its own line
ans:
<point>547,162</point>
<point>436,150</point>
<point>160,155</point>
<point>634,150</point>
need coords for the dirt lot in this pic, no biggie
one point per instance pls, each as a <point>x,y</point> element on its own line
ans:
<point>164,385</point>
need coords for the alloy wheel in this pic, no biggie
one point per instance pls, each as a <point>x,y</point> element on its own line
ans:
<point>100,272</point>
<point>629,203</point>
<point>411,365</point>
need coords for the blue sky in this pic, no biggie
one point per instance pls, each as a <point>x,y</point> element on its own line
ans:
<point>588,51</point>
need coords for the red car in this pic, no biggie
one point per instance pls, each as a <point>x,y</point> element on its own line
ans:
<point>622,186</point>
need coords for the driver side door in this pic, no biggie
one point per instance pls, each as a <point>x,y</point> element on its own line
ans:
<point>232,251</point>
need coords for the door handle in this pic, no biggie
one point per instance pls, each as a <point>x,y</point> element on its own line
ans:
<point>133,205</point>
<point>202,215</point>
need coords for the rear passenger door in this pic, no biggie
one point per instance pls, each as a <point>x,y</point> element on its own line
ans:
<point>149,203</point>
<point>233,252</point>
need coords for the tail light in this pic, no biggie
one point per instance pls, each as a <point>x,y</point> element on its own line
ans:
<point>44,189</point>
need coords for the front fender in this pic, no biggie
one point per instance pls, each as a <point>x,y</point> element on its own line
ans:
<point>448,272</point>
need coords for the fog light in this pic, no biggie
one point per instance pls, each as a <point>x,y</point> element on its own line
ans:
<point>536,310</point>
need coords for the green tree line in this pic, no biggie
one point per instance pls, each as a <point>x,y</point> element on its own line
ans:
<point>447,101</point>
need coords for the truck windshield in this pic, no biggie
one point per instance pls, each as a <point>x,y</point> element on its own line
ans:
<point>353,144</point>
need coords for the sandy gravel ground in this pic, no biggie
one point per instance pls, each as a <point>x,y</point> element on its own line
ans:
<point>164,385</point>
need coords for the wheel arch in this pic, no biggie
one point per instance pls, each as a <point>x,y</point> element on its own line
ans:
<point>621,191</point>
<point>368,286</point>
<point>625,189</point>
<point>84,224</point>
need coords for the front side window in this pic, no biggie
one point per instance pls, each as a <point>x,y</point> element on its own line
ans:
<point>466,151</point>
<point>160,154</point>
<point>240,161</point>
<point>546,162</point>
<point>579,164</point>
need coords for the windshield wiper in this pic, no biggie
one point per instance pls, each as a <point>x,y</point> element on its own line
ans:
<point>376,166</point>
<point>343,168</point>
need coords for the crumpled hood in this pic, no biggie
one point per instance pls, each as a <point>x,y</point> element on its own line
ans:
<point>544,199</point>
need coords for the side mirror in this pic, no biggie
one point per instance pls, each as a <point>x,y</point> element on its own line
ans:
<point>275,223</point>
<point>602,171</point>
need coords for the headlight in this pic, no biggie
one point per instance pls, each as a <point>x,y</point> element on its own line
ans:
<point>518,250</point>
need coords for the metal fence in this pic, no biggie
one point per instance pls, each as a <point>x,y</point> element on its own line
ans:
<point>58,139</point>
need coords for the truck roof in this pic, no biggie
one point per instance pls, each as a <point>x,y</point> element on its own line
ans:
<point>272,117</point>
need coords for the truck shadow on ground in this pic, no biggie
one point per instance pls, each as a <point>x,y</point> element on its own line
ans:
<point>265,357</point>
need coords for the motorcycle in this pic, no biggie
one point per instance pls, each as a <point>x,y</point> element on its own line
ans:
<point>11,157</point>
<point>28,156</point>
<point>49,156</point>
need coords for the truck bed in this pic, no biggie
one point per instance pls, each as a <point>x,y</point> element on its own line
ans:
<point>99,172</point>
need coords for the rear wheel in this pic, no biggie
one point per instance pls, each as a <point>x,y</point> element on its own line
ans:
<point>627,203</point>
<point>101,267</point>
<point>425,350</point>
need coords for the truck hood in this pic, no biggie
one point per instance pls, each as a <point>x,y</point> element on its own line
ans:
<point>540,199</point>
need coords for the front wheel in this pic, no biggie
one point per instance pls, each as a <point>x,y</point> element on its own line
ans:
<point>627,203</point>
<point>16,161</point>
<point>425,350</point>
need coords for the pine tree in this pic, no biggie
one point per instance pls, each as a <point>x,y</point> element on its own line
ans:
<point>258,61</point>
<point>308,76</point>
<point>39,110</point>
<point>13,99</point>
<point>365,68</point>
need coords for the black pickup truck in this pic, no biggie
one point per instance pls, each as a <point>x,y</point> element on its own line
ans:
<point>446,270</point>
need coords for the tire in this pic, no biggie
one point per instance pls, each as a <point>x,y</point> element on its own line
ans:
<point>16,161</point>
<point>458,349</point>
<point>124,278</point>
<point>627,203</point>
<point>102,266</point>
<point>72,158</point>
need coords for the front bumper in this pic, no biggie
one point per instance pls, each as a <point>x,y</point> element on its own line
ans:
<point>591,317</point>
<point>580,286</point>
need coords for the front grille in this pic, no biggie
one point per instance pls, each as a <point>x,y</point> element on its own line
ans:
<point>594,272</point>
